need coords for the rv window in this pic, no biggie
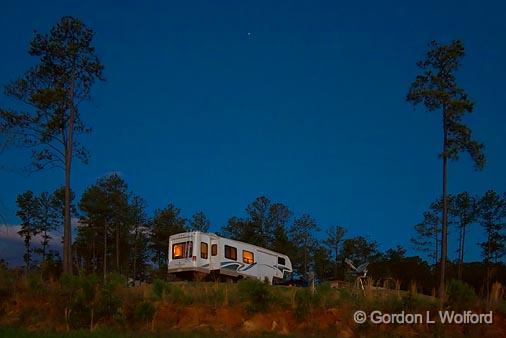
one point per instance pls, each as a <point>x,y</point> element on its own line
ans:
<point>248,257</point>
<point>182,250</point>
<point>230,252</point>
<point>214,249</point>
<point>203,250</point>
<point>281,261</point>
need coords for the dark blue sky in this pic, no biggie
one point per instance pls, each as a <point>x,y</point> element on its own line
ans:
<point>308,109</point>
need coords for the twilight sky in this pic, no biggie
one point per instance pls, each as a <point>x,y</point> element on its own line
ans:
<point>209,104</point>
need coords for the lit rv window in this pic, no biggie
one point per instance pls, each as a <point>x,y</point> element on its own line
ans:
<point>203,250</point>
<point>182,250</point>
<point>230,252</point>
<point>248,257</point>
<point>214,249</point>
<point>281,261</point>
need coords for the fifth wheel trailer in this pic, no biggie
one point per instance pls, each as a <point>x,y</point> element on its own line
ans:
<point>211,256</point>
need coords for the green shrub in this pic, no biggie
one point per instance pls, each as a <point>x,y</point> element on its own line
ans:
<point>460,295</point>
<point>177,295</point>
<point>71,292</point>
<point>303,303</point>
<point>145,311</point>
<point>35,284</point>
<point>171,292</point>
<point>160,288</point>
<point>325,296</point>
<point>109,300</point>
<point>6,284</point>
<point>256,294</point>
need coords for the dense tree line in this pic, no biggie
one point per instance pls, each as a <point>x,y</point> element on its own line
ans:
<point>115,234</point>
<point>465,211</point>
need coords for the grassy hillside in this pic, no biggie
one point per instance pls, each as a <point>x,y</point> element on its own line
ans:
<point>85,306</point>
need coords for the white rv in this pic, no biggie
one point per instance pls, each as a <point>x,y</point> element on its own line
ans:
<point>212,256</point>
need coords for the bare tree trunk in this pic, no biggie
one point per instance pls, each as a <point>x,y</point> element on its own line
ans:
<point>305,260</point>
<point>336,265</point>
<point>444,230</point>
<point>436,248</point>
<point>105,251</point>
<point>135,257</point>
<point>117,248</point>
<point>461,250</point>
<point>67,228</point>
<point>489,254</point>
<point>94,254</point>
<point>44,246</point>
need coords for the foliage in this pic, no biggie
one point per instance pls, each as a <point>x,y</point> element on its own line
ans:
<point>109,298</point>
<point>166,222</point>
<point>145,311</point>
<point>256,294</point>
<point>27,212</point>
<point>428,233</point>
<point>113,221</point>
<point>173,293</point>
<point>303,303</point>
<point>436,88</point>
<point>360,250</point>
<point>302,236</point>
<point>160,288</point>
<point>199,222</point>
<point>492,216</point>
<point>461,295</point>
<point>39,214</point>
<point>265,225</point>
<point>333,242</point>
<point>54,87</point>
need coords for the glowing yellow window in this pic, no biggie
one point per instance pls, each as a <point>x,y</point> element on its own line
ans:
<point>182,250</point>
<point>177,250</point>
<point>248,257</point>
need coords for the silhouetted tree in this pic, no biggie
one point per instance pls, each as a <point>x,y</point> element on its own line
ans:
<point>166,222</point>
<point>47,219</point>
<point>199,222</point>
<point>27,211</point>
<point>333,243</point>
<point>264,226</point>
<point>302,236</point>
<point>54,87</point>
<point>464,210</point>
<point>323,265</point>
<point>139,238</point>
<point>360,250</point>
<point>436,88</point>
<point>105,212</point>
<point>491,212</point>
<point>427,238</point>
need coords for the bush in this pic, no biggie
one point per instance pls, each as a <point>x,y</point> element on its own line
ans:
<point>35,284</point>
<point>256,294</point>
<point>160,288</point>
<point>326,296</point>
<point>303,303</point>
<point>460,295</point>
<point>171,292</point>
<point>110,301</point>
<point>145,311</point>
<point>6,284</point>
